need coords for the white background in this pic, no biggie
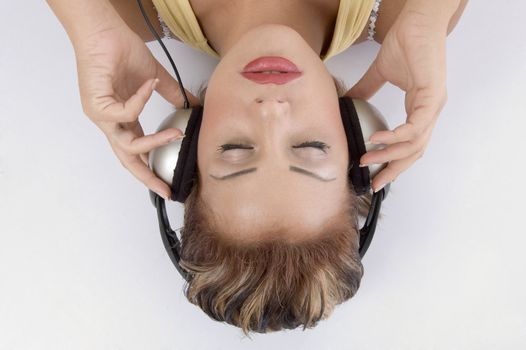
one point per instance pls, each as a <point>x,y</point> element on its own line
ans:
<point>82,265</point>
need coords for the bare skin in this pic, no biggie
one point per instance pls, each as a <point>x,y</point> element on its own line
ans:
<point>117,73</point>
<point>314,19</point>
<point>272,120</point>
<point>216,19</point>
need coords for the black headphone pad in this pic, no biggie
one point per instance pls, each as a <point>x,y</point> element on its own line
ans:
<point>185,172</point>
<point>359,177</point>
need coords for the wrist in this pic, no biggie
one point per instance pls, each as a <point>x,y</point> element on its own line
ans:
<point>440,11</point>
<point>83,18</point>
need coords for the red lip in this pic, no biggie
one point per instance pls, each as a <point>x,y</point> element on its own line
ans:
<point>287,70</point>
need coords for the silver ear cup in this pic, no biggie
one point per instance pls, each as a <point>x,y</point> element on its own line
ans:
<point>371,121</point>
<point>163,159</point>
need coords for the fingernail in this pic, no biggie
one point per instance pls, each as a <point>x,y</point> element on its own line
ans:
<point>180,137</point>
<point>163,195</point>
<point>379,188</point>
<point>160,194</point>
<point>155,82</point>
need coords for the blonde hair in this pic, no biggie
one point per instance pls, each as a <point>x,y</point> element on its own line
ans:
<point>271,284</point>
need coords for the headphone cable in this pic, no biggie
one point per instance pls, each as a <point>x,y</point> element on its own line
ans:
<point>152,30</point>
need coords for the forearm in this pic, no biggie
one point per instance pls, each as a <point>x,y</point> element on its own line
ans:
<point>443,13</point>
<point>81,18</point>
<point>439,11</point>
<point>129,11</point>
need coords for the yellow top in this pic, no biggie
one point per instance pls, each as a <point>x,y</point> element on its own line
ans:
<point>180,19</point>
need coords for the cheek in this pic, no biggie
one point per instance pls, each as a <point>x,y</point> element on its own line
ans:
<point>334,125</point>
<point>215,120</point>
<point>217,108</point>
<point>341,142</point>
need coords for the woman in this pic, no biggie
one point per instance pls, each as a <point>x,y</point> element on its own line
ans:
<point>271,237</point>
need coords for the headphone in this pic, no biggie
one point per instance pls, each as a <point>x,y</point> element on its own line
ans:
<point>176,163</point>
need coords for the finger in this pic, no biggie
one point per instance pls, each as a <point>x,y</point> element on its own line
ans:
<point>369,84</point>
<point>392,152</point>
<point>128,111</point>
<point>130,143</point>
<point>393,169</point>
<point>169,89</point>
<point>145,175</point>
<point>145,158</point>
<point>421,120</point>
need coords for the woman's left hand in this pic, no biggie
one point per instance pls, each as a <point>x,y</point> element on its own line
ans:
<point>412,57</point>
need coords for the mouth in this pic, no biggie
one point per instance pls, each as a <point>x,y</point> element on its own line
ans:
<point>271,70</point>
<point>268,77</point>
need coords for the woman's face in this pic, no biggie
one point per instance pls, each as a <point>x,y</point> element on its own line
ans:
<point>280,177</point>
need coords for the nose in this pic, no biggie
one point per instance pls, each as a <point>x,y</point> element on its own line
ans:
<point>271,107</point>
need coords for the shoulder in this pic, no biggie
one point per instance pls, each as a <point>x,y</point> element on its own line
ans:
<point>132,16</point>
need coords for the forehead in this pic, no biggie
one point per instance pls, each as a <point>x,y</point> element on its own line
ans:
<point>247,208</point>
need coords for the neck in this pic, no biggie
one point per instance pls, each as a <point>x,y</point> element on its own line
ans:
<point>225,24</point>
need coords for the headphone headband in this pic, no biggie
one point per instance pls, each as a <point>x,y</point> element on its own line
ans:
<point>357,118</point>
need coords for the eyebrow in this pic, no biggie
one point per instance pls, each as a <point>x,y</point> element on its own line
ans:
<point>291,168</point>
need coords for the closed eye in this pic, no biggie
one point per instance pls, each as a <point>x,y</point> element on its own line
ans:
<point>313,144</point>
<point>230,146</point>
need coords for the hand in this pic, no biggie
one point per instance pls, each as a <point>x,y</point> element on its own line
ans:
<point>117,75</point>
<point>412,57</point>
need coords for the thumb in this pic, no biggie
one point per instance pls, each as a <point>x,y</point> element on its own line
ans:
<point>369,84</point>
<point>168,88</point>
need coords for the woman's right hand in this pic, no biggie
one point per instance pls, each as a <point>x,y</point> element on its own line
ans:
<point>117,74</point>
